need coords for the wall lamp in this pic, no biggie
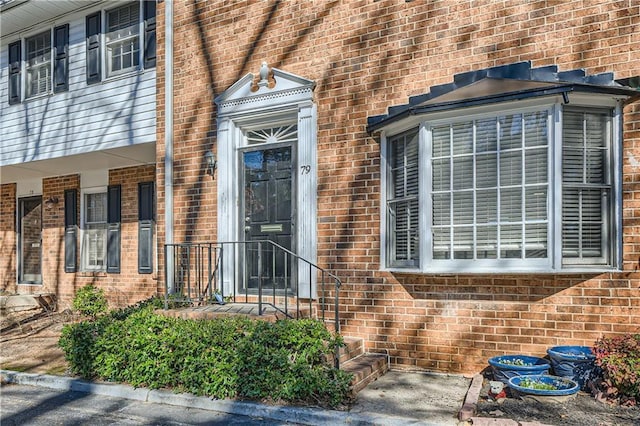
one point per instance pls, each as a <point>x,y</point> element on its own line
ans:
<point>210,161</point>
<point>50,202</point>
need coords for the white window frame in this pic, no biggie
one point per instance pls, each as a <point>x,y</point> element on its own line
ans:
<point>84,231</point>
<point>553,263</point>
<point>107,59</point>
<point>46,65</point>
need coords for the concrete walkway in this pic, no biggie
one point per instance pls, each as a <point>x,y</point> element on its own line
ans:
<point>397,398</point>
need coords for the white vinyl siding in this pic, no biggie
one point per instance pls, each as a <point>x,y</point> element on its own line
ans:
<point>515,191</point>
<point>117,113</point>
<point>38,64</point>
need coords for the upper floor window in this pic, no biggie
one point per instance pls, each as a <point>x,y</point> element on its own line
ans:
<point>122,39</point>
<point>517,190</point>
<point>119,41</point>
<point>39,64</point>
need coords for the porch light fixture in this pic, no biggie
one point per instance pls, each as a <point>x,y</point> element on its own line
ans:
<point>50,202</point>
<point>210,160</point>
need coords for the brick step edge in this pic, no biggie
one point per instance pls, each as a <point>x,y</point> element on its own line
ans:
<point>353,347</point>
<point>365,368</point>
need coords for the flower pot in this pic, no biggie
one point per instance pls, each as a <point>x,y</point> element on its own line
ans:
<point>507,366</point>
<point>544,388</point>
<point>574,362</point>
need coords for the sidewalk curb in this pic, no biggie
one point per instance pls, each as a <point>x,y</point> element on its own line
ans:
<point>300,415</point>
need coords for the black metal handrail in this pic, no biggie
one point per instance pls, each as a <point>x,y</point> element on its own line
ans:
<point>199,276</point>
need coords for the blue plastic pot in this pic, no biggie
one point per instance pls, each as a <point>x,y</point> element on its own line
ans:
<point>563,386</point>
<point>574,362</point>
<point>504,371</point>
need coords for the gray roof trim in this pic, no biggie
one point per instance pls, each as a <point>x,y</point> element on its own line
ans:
<point>505,83</point>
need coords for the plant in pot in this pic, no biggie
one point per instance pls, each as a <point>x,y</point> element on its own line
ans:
<point>507,366</point>
<point>544,388</point>
<point>574,362</point>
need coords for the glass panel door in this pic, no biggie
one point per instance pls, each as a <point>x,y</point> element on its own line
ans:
<point>30,240</point>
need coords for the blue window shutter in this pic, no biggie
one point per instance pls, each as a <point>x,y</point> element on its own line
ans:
<point>61,59</point>
<point>149,33</point>
<point>94,28</point>
<point>15,65</point>
<point>145,227</point>
<point>70,230</point>
<point>113,228</point>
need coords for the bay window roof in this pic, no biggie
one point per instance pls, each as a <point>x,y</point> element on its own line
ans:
<point>506,83</point>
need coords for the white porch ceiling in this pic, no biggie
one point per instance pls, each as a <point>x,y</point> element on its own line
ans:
<point>116,158</point>
<point>20,15</point>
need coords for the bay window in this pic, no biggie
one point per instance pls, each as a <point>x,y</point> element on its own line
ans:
<point>519,190</point>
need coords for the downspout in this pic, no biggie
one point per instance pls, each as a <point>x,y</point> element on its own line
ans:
<point>168,145</point>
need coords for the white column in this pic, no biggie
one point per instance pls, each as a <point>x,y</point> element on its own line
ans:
<point>307,210</point>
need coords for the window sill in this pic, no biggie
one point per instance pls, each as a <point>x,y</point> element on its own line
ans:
<point>505,271</point>
<point>96,274</point>
<point>125,74</point>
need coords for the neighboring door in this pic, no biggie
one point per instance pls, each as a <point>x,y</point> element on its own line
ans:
<point>267,215</point>
<point>30,240</point>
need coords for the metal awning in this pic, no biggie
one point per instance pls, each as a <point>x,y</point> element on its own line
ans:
<point>505,83</point>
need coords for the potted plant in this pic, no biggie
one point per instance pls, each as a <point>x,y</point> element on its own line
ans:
<point>544,388</point>
<point>507,366</point>
<point>574,362</point>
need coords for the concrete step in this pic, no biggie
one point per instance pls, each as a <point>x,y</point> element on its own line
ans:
<point>365,368</point>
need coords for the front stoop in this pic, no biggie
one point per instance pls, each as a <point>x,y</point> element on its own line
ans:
<point>248,310</point>
<point>365,367</point>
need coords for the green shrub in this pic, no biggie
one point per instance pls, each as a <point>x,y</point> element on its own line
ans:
<point>619,359</point>
<point>78,341</point>
<point>90,301</point>
<point>231,357</point>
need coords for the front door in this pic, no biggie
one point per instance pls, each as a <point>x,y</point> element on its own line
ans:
<point>267,215</point>
<point>30,240</point>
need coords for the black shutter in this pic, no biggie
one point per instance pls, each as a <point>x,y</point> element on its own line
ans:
<point>149,33</point>
<point>15,62</point>
<point>145,228</point>
<point>70,230</point>
<point>113,228</point>
<point>61,59</point>
<point>94,26</point>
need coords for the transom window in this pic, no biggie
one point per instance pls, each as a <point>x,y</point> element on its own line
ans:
<point>280,134</point>
<point>515,190</point>
<point>38,64</point>
<point>122,38</point>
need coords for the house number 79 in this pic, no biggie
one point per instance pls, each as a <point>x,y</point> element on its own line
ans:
<point>305,170</point>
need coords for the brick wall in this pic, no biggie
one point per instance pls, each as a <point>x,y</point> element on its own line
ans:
<point>8,237</point>
<point>366,56</point>
<point>121,289</point>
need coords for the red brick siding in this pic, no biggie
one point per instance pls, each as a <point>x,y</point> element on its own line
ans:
<point>364,57</point>
<point>8,237</point>
<point>121,289</point>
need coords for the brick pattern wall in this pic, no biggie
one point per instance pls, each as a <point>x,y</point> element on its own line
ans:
<point>8,235</point>
<point>366,56</point>
<point>121,289</point>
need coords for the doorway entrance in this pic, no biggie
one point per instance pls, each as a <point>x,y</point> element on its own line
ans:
<point>267,214</point>
<point>30,240</point>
